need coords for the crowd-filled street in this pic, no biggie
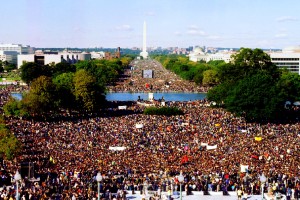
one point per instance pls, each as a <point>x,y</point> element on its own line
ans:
<point>214,150</point>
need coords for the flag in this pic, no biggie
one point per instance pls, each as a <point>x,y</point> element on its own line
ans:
<point>184,159</point>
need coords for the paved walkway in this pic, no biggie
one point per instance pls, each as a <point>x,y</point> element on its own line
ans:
<point>162,80</point>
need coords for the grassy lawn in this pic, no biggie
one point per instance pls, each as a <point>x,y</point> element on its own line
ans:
<point>10,79</point>
<point>10,76</point>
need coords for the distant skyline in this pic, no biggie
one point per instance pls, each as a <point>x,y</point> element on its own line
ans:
<point>170,23</point>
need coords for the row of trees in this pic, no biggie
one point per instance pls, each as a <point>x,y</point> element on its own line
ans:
<point>65,86</point>
<point>201,73</point>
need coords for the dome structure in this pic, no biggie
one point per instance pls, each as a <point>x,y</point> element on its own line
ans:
<point>198,50</point>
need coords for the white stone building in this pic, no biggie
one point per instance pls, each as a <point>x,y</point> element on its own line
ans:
<point>198,54</point>
<point>288,58</point>
<point>97,55</point>
<point>45,59</point>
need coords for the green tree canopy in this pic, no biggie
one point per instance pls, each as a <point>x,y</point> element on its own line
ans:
<point>180,65</point>
<point>256,98</point>
<point>249,86</point>
<point>10,67</point>
<point>15,107</point>
<point>41,97</point>
<point>245,63</point>
<point>88,94</point>
<point>31,71</point>
<point>65,87</point>
<point>210,77</point>
<point>9,144</point>
<point>289,86</point>
<point>62,67</point>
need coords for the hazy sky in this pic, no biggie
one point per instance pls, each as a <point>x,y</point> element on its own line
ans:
<point>182,23</point>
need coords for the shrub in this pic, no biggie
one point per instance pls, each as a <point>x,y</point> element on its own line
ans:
<point>15,108</point>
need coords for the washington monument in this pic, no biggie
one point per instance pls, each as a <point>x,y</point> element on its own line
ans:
<point>144,53</point>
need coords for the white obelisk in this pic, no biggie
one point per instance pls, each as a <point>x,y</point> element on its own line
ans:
<point>144,53</point>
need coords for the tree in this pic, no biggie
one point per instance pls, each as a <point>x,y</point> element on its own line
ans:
<point>219,92</point>
<point>257,97</point>
<point>62,67</point>
<point>64,86</point>
<point>289,86</point>
<point>246,63</point>
<point>15,107</point>
<point>10,67</point>
<point>248,86</point>
<point>88,94</point>
<point>210,78</point>
<point>41,97</point>
<point>216,62</point>
<point>31,71</point>
<point>9,144</point>
<point>2,120</point>
<point>125,61</point>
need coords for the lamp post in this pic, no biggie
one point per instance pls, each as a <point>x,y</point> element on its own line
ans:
<point>99,179</point>
<point>180,179</point>
<point>17,177</point>
<point>262,180</point>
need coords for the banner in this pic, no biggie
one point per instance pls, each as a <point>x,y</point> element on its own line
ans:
<point>204,144</point>
<point>117,148</point>
<point>122,107</point>
<point>139,126</point>
<point>244,168</point>
<point>208,147</point>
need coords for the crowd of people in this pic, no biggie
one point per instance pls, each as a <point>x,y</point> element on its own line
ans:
<point>162,80</point>
<point>212,148</point>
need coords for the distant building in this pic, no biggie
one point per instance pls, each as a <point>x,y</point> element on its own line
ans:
<point>21,49</point>
<point>45,59</point>
<point>9,56</point>
<point>288,58</point>
<point>198,54</point>
<point>97,55</point>
<point>9,52</point>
